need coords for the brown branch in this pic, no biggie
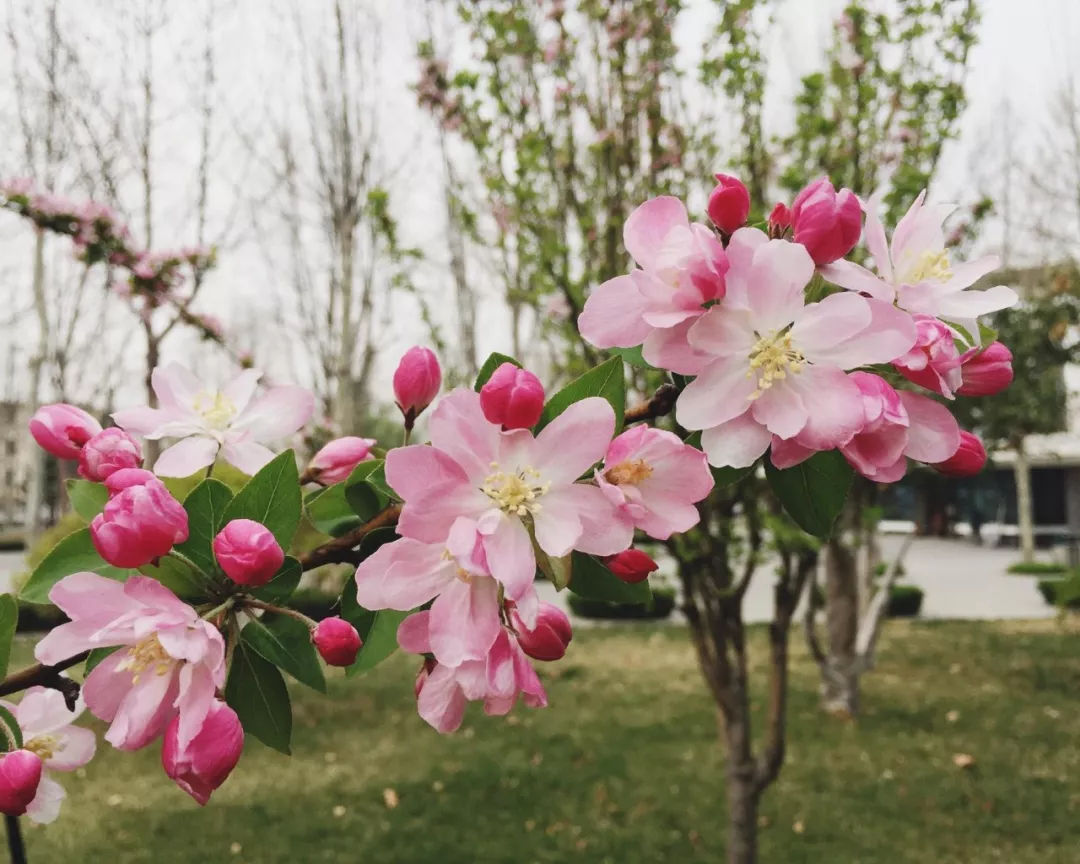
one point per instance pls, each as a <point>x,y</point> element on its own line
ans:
<point>46,676</point>
<point>340,549</point>
<point>661,403</point>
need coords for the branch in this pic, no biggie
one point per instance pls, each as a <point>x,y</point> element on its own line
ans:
<point>46,676</point>
<point>875,612</point>
<point>810,623</point>
<point>661,403</point>
<point>340,549</point>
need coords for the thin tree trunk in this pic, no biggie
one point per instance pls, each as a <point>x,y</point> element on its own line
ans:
<point>35,492</point>
<point>1024,520</point>
<point>743,797</point>
<point>840,681</point>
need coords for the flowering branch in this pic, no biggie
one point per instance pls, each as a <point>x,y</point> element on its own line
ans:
<point>340,549</point>
<point>46,676</point>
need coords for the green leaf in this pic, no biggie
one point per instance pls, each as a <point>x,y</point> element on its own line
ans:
<point>286,642</point>
<point>271,497</point>
<point>257,693</point>
<point>606,380</point>
<point>96,656</point>
<point>180,578</point>
<point>366,490</point>
<point>632,356</point>
<point>813,492</point>
<point>330,511</point>
<point>590,578</point>
<point>205,506</point>
<point>9,618</point>
<point>280,588</point>
<point>728,476</point>
<point>377,629</point>
<point>493,362</point>
<point>87,499</point>
<point>73,554</point>
<point>13,731</point>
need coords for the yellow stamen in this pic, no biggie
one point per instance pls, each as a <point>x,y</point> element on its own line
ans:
<point>771,359</point>
<point>144,655</point>
<point>215,408</point>
<point>931,266</point>
<point>515,493</point>
<point>630,472</point>
<point>45,746</point>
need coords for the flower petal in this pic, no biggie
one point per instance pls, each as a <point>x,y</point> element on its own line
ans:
<point>612,315</point>
<point>402,575</point>
<point>464,620</point>
<point>575,440</point>
<point>187,456</point>
<point>276,414</point>
<point>649,224</point>
<point>738,443</point>
<point>459,428</point>
<point>510,555</point>
<point>720,393</point>
<point>854,277</point>
<point>412,633</point>
<point>246,455</point>
<point>934,435</point>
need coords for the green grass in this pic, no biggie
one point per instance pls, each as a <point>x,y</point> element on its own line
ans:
<point>624,767</point>
<point>1037,568</point>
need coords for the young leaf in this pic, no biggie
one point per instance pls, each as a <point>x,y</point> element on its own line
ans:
<point>813,492</point>
<point>73,554</point>
<point>205,506</point>
<point>271,497</point>
<point>364,489</point>
<point>280,588</point>
<point>493,362</point>
<point>606,380</point>
<point>180,578</point>
<point>9,618</point>
<point>591,579</point>
<point>380,639</point>
<point>11,733</point>
<point>286,642</point>
<point>97,655</point>
<point>257,693</point>
<point>330,511</point>
<point>87,499</point>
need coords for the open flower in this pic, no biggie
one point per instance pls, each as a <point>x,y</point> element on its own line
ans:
<point>681,269</point>
<point>776,364</point>
<point>47,731</point>
<point>231,420</point>
<point>915,270</point>
<point>170,660</point>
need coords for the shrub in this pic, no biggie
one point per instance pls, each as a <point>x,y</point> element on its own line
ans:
<point>905,601</point>
<point>663,604</point>
<point>882,567</point>
<point>1062,592</point>
<point>1037,568</point>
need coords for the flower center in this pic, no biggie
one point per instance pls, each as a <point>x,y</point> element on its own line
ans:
<point>772,357</point>
<point>145,654</point>
<point>629,472</point>
<point>45,746</point>
<point>215,408</point>
<point>515,493</point>
<point>932,266</point>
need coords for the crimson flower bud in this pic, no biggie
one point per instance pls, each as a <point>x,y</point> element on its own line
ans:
<point>826,222</point>
<point>549,638</point>
<point>20,774</point>
<point>987,372</point>
<point>337,641</point>
<point>416,381</point>
<point>248,553</point>
<point>141,520</point>
<point>207,761</point>
<point>107,452</point>
<point>62,429</point>
<point>779,220</point>
<point>729,204</point>
<point>335,462</point>
<point>512,397</point>
<point>967,461</point>
<point>631,565</point>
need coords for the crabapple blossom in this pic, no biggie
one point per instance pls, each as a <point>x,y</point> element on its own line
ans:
<point>417,380</point>
<point>337,459</point>
<point>985,372</point>
<point>779,221</point>
<point>20,777</point>
<point>729,204</point>
<point>205,762</point>
<point>933,361</point>
<point>63,429</point>
<point>512,397</point>
<point>337,641</point>
<point>681,268</point>
<point>108,452</point>
<point>232,421</point>
<point>967,461</point>
<point>141,520</point>
<point>548,638</point>
<point>631,565</point>
<point>247,552</point>
<point>170,661</point>
<point>826,222</point>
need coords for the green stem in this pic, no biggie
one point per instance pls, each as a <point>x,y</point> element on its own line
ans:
<point>228,604</point>
<point>280,610</point>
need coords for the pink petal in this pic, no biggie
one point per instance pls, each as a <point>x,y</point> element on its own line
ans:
<point>670,349</point>
<point>966,305</point>
<point>194,700</point>
<point>459,428</point>
<point>240,390</point>
<point>649,224</point>
<point>723,331</point>
<point>441,703</point>
<point>412,471</point>
<point>834,407</point>
<point>106,686</point>
<point>144,712</point>
<point>934,435</point>
<point>246,455</point>
<point>175,386</point>
<point>403,575</point>
<point>822,325</point>
<point>890,334</point>
<point>79,746</point>
<point>666,515</point>
<point>787,453</point>
<point>429,517</point>
<point>740,254</point>
<point>780,272</point>
<point>854,277</point>
<point>781,408</point>
<point>413,635</point>
<point>575,440</point>
<point>42,711</point>
<point>970,272</point>
<point>876,243</point>
<point>510,555</point>
<point>45,808</point>
<point>142,421</point>
<point>738,443</point>
<point>276,414</point>
<point>603,530</point>
<point>187,456</point>
<point>464,620</point>
<point>612,315</point>
<point>720,393</point>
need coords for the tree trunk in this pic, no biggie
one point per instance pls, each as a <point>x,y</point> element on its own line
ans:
<point>742,800</point>
<point>1025,522</point>
<point>35,488</point>
<point>840,680</point>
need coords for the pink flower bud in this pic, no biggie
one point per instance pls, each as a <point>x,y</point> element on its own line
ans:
<point>512,397</point>
<point>109,451</point>
<point>62,429</point>
<point>986,372</point>
<point>933,361</point>
<point>207,761</point>
<point>335,462</point>
<point>141,521</point>
<point>729,204</point>
<point>549,638</point>
<point>967,461</point>
<point>337,641</point>
<point>779,220</point>
<point>248,552</point>
<point>631,565</point>
<point>416,381</point>
<point>826,222</point>
<point>20,774</point>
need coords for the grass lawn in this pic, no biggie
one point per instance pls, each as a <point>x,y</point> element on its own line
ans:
<point>625,768</point>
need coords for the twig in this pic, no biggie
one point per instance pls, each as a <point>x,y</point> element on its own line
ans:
<point>875,612</point>
<point>279,610</point>
<point>340,549</point>
<point>661,403</point>
<point>46,676</point>
<point>14,838</point>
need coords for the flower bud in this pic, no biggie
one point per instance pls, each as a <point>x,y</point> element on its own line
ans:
<point>248,552</point>
<point>631,565</point>
<point>512,397</point>
<point>62,429</point>
<point>337,641</point>
<point>109,451</point>
<point>207,761</point>
<point>729,204</point>
<point>141,520</point>
<point>335,462</point>
<point>549,638</point>
<point>967,461</point>
<point>987,372</point>
<point>416,381</point>
<point>20,774</point>
<point>779,220</point>
<point>933,361</point>
<point>826,222</point>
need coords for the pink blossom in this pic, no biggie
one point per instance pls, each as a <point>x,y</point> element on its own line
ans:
<point>417,380</point>
<point>48,733</point>
<point>548,638</point>
<point>20,776</point>
<point>141,520</point>
<point>826,222</point>
<point>512,397</point>
<point>967,461</point>
<point>933,361</point>
<point>915,270</point>
<point>654,480</point>
<point>107,452</point>
<point>231,420</point>
<point>779,220</point>
<point>170,662</point>
<point>986,372</point>
<point>62,429</point>
<point>337,459</point>
<point>776,366</point>
<point>631,565</point>
<point>337,641</point>
<point>205,762</point>
<point>681,268</point>
<point>248,552</point>
<point>729,204</point>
